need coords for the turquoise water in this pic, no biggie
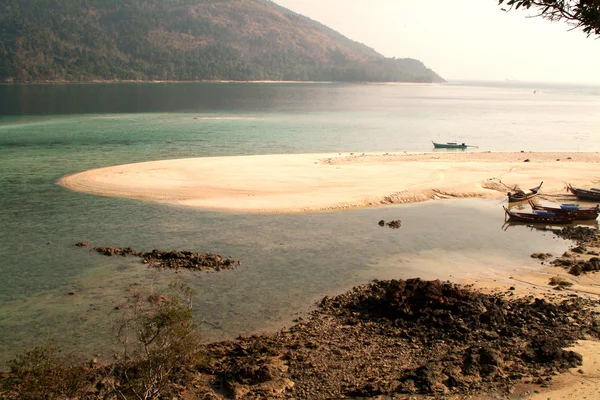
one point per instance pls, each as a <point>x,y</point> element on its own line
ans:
<point>288,261</point>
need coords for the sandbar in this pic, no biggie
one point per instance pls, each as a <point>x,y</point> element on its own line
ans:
<point>294,183</point>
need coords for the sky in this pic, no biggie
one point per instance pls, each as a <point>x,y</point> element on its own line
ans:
<point>463,39</point>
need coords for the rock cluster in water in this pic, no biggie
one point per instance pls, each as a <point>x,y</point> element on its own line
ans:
<point>172,259</point>
<point>395,224</point>
<point>408,337</point>
<point>579,234</point>
<point>573,260</point>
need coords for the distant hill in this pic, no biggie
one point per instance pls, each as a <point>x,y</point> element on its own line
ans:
<point>183,40</point>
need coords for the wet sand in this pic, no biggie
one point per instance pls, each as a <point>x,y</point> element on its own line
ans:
<point>324,182</point>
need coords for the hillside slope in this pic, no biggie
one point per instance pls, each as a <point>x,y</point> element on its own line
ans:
<point>86,40</point>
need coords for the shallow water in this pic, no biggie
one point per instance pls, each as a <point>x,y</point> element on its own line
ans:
<point>288,261</point>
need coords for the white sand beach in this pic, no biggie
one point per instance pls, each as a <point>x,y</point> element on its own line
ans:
<point>323,182</point>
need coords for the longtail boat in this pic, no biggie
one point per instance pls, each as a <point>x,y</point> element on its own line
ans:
<point>585,193</point>
<point>538,216</point>
<point>520,195</point>
<point>579,213</point>
<point>451,145</point>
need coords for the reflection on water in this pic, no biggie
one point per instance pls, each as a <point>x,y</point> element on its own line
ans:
<point>547,227</point>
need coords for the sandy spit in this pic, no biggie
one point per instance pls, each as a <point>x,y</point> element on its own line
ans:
<point>293,183</point>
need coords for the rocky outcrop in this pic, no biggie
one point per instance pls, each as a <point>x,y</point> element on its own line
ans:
<point>408,337</point>
<point>577,260</point>
<point>174,259</point>
<point>395,224</point>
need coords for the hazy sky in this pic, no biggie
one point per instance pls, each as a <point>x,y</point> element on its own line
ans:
<point>463,39</point>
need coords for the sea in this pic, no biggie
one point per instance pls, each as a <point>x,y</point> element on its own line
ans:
<point>54,291</point>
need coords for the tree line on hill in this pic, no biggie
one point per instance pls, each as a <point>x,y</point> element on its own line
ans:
<point>182,40</point>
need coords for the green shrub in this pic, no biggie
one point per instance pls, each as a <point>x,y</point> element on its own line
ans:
<point>44,373</point>
<point>160,343</point>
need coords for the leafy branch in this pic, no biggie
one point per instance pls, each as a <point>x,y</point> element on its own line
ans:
<point>580,14</point>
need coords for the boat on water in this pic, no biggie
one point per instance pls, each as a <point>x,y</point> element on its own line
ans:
<point>585,194</point>
<point>451,145</point>
<point>520,195</point>
<point>580,213</point>
<point>547,217</point>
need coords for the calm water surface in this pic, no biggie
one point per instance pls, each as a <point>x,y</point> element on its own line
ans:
<point>288,261</point>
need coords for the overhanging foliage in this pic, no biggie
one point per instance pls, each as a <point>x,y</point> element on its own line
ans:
<point>581,14</point>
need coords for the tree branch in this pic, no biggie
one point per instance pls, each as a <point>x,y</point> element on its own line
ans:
<point>581,14</point>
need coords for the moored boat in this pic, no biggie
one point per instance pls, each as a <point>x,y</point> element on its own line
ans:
<point>450,145</point>
<point>520,195</point>
<point>580,213</point>
<point>539,216</point>
<point>584,193</point>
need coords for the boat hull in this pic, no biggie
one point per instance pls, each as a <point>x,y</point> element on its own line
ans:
<point>513,197</point>
<point>581,214</point>
<point>535,218</point>
<point>448,145</point>
<point>585,194</point>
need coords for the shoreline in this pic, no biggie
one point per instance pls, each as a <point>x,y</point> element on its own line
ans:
<point>298,183</point>
<point>109,81</point>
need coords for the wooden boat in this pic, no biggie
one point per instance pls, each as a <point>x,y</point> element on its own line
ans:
<point>450,145</point>
<point>511,223</point>
<point>584,193</point>
<point>580,213</point>
<point>542,216</point>
<point>519,195</point>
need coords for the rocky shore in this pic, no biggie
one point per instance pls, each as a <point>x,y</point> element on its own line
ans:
<point>581,258</point>
<point>171,259</point>
<point>408,338</point>
<point>393,339</point>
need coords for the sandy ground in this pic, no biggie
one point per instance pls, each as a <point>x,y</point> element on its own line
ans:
<point>581,382</point>
<point>326,182</point>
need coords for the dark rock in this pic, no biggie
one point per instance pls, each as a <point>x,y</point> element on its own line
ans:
<point>394,224</point>
<point>576,270</point>
<point>579,234</point>
<point>541,256</point>
<point>550,351</point>
<point>564,262</point>
<point>427,379</point>
<point>559,282</point>
<point>579,249</point>
<point>174,259</point>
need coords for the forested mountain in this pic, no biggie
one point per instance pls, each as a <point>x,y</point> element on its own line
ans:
<point>87,40</point>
